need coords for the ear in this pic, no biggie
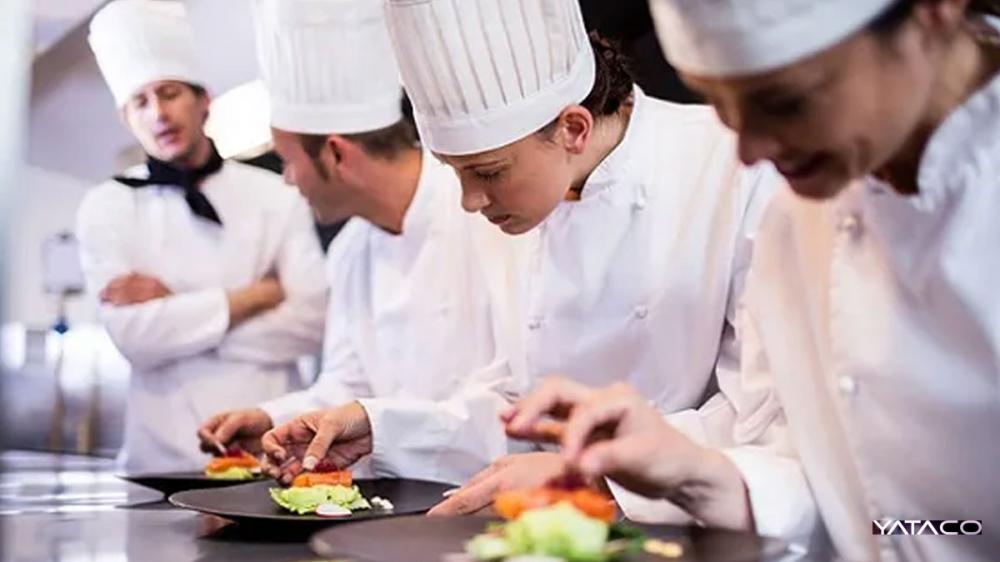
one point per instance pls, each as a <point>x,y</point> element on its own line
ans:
<point>574,127</point>
<point>339,147</point>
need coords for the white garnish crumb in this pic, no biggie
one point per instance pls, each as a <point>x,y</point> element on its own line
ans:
<point>382,503</point>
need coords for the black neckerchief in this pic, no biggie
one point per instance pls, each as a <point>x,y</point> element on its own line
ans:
<point>162,173</point>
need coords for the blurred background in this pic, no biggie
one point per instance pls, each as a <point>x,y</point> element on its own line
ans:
<point>63,382</point>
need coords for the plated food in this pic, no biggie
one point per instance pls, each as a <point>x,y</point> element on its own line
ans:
<point>254,503</point>
<point>565,520</point>
<point>325,492</point>
<point>235,465</point>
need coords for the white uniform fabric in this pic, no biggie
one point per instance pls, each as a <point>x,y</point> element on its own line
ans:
<point>411,325</point>
<point>137,42</point>
<point>484,73</point>
<point>328,65</point>
<point>876,320</point>
<point>637,281</point>
<point>736,37</point>
<point>640,279</point>
<point>186,363</point>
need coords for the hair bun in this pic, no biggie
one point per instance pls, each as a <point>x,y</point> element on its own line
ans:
<point>613,82</point>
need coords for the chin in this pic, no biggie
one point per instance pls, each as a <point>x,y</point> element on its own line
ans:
<point>516,228</point>
<point>170,154</point>
<point>819,187</point>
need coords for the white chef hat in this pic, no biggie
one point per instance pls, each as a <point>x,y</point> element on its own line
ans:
<point>738,37</point>
<point>137,42</point>
<point>484,73</point>
<point>328,65</point>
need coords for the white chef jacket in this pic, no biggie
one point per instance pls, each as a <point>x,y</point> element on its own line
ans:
<point>636,281</point>
<point>876,319</point>
<point>410,323</point>
<point>186,362</point>
<point>639,279</point>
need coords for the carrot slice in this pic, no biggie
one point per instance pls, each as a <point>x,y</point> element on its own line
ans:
<point>220,464</point>
<point>511,504</point>
<point>335,478</point>
<point>593,504</point>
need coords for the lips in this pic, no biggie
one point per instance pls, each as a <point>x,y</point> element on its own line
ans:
<point>801,168</point>
<point>498,219</point>
<point>168,135</point>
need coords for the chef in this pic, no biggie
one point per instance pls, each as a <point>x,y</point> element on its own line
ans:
<point>872,335</point>
<point>410,318</point>
<point>209,272</point>
<point>636,215</point>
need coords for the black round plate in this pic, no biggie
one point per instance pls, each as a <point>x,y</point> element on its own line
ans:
<point>173,482</point>
<point>431,539</point>
<point>252,503</point>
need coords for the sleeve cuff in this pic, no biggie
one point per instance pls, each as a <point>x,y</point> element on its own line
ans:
<point>218,301</point>
<point>641,509</point>
<point>780,498</point>
<point>443,441</point>
<point>374,411</point>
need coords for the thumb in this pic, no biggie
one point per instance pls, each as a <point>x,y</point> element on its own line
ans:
<point>326,433</point>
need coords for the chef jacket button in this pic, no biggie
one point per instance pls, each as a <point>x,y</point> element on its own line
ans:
<point>851,224</point>
<point>639,204</point>
<point>641,312</point>
<point>848,385</point>
<point>535,323</point>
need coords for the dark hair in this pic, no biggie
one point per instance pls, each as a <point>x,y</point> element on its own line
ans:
<point>896,14</point>
<point>386,143</point>
<point>613,81</point>
<point>199,91</point>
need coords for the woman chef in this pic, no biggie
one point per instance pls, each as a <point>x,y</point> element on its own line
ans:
<point>872,309</point>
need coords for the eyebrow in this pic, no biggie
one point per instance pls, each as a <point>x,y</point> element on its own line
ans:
<point>165,87</point>
<point>483,164</point>
<point>767,92</point>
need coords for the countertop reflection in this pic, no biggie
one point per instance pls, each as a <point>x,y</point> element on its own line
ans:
<point>65,508</point>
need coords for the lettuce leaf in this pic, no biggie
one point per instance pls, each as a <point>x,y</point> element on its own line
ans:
<point>305,500</point>
<point>560,531</point>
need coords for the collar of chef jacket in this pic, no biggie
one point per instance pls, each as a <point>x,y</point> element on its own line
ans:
<point>418,221</point>
<point>617,164</point>
<point>961,145</point>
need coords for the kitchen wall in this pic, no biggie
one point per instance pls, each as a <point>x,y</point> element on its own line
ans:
<point>45,205</point>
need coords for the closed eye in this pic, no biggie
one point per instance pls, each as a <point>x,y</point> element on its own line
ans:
<point>488,176</point>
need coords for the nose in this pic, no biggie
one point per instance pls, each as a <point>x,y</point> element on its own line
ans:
<point>755,147</point>
<point>752,145</point>
<point>159,108</point>
<point>474,199</point>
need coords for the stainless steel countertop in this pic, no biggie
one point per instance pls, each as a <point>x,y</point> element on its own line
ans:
<point>65,508</point>
<point>73,509</point>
